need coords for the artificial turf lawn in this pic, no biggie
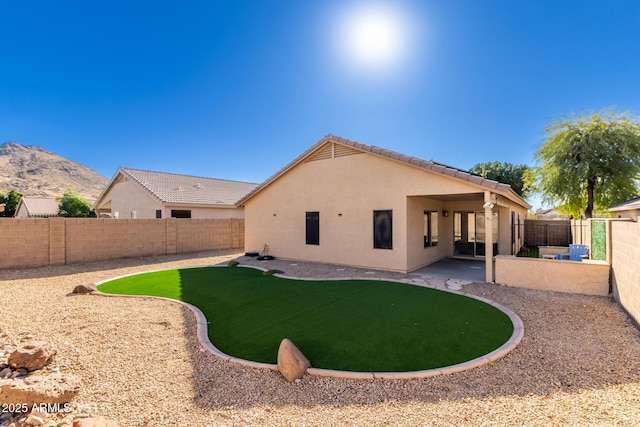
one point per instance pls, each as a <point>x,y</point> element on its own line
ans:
<point>356,325</point>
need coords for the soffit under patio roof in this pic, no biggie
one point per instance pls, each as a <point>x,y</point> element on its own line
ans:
<point>454,197</point>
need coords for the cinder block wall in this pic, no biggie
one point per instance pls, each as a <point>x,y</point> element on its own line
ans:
<point>625,268</point>
<point>24,242</point>
<point>90,239</point>
<point>38,242</point>
<point>193,235</point>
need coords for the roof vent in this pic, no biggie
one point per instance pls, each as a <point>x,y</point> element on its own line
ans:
<point>179,188</point>
<point>198,185</point>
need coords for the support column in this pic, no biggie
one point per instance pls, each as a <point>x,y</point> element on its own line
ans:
<point>488,236</point>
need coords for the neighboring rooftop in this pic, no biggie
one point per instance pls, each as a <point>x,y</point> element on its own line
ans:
<point>38,207</point>
<point>189,190</point>
<point>626,206</point>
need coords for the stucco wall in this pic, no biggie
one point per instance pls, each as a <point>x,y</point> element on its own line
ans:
<point>418,255</point>
<point>38,242</point>
<point>586,277</point>
<point>128,197</point>
<point>625,276</point>
<point>633,214</point>
<point>346,190</point>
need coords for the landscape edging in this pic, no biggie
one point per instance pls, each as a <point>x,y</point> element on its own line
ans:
<point>203,337</point>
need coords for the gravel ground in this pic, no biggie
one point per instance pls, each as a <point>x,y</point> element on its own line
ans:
<point>141,363</point>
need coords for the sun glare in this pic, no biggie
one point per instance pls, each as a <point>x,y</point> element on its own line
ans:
<point>373,36</point>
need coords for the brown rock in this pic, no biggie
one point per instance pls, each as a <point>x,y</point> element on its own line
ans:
<point>38,389</point>
<point>85,288</point>
<point>292,364</point>
<point>93,422</point>
<point>32,356</point>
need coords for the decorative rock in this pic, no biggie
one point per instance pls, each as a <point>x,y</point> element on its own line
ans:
<point>292,364</point>
<point>5,373</point>
<point>66,422</point>
<point>32,356</point>
<point>34,420</point>
<point>85,288</point>
<point>38,389</point>
<point>93,422</point>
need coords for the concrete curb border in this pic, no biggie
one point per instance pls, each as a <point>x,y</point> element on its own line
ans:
<point>203,337</point>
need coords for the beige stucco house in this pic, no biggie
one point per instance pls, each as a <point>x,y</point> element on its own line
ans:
<point>628,209</point>
<point>36,207</point>
<point>134,193</point>
<point>353,204</point>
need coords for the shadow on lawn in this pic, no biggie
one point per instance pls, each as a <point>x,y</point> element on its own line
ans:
<point>565,349</point>
<point>108,265</point>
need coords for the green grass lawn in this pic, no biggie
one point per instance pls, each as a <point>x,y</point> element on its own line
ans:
<point>357,325</point>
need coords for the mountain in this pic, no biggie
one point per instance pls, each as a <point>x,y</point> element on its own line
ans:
<point>34,171</point>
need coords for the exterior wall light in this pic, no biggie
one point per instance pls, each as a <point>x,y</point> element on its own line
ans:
<point>488,205</point>
<point>445,213</point>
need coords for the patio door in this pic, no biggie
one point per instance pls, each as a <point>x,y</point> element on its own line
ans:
<point>469,233</point>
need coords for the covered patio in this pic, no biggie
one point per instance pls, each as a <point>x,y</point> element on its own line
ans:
<point>472,270</point>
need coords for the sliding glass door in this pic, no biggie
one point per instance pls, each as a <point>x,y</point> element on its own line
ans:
<point>469,233</point>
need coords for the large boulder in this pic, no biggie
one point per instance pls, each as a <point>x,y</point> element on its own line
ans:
<point>38,389</point>
<point>32,356</point>
<point>292,364</point>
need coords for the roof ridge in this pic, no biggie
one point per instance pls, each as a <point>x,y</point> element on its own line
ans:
<point>187,175</point>
<point>391,155</point>
<point>394,155</point>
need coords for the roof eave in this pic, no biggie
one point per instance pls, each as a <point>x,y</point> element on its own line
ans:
<point>481,183</point>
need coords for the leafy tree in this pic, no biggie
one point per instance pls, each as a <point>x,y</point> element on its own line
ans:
<point>505,173</point>
<point>72,205</point>
<point>11,201</point>
<point>588,162</point>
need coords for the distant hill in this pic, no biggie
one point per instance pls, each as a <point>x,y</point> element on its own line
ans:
<point>34,171</point>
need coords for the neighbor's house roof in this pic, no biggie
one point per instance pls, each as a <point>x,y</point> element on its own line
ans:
<point>429,165</point>
<point>629,205</point>
<point>183,190</point>
<point>37,207</point>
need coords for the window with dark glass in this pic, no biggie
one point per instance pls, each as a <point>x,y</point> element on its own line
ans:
<point>180,213</point>
<point>158,213</point>
<point>313,228</point>
<point>383,229</point>
<point>430,228</point>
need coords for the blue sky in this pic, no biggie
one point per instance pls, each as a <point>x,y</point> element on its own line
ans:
<point>237,89</point>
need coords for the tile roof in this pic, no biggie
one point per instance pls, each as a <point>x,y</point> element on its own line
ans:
<point>423,164</point>
<point>189,190</point>
<point>40,206</point>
